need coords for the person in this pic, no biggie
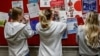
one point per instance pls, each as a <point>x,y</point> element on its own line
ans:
<point>50,34</point>
<point>16,32</point>
<point>88,35</point>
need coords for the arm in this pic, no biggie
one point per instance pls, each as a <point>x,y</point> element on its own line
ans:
<point>8,31</point>
<point>77,38</point>
<point>78,33</point>
<point>63,27</point>
<point>28,30</point>
<point>63,30</point>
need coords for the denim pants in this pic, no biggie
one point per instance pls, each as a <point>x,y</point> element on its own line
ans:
<point>27,54</point>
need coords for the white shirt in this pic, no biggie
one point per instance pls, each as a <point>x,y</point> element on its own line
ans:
<point>50,39</point>
<point>84,49</point>
<point>16,35</point>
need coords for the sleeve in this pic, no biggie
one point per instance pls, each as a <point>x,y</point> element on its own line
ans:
<point>77,38</point>
<point>63,27</point>
<point>64,30</point>
<point>7,31</point>
<point>77,34</point>
<point>28,31</point>
<point>37,26</point>
<point>65,36</point>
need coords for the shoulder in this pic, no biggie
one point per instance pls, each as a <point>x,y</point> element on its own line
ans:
<point>59,23</point>
<point>38,24</point>
<point>7,23</point>
<point>81,28</point>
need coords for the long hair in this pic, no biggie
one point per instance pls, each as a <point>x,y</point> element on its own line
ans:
<point>92,29</point>
<point>45,17</point>
<point>14,12</point>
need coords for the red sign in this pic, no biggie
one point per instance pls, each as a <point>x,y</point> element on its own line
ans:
<point>53,0</point>
<point>57,3</point>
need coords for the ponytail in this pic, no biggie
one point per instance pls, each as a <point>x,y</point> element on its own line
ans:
<point>92,30</point>
<point>43,20</point>
<point>92,36</point>
<point>45,17</point>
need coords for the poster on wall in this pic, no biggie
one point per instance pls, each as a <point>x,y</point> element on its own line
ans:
<point>33,9</point>
<point>66,5</point>
<point>3,17</point>
<point>33,24</point>
<point>45,3</point>
<point>26,16</point>
<point>17,4</point>
<point>73,8</point>
<point>62,16</point>
<point>57,4</point>
<point>65,34</point>
<point>33,1</point>
<point>89,5</point>
<point>58,10</point>
<point>72,25</point>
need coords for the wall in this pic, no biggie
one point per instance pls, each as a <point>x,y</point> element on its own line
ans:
<point>34,41</point>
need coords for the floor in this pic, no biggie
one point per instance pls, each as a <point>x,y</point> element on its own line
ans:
<point>67,50</point>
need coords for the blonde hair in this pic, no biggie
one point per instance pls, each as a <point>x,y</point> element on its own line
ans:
<point>92,18</point>
<point>45,17</point>
<point>92,30</point>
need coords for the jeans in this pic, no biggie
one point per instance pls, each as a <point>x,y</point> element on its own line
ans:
<point>27,54</point>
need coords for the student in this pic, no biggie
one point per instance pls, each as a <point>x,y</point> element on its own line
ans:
<point>16,33</point>
<point>50,34</point>
<point>88,36</point>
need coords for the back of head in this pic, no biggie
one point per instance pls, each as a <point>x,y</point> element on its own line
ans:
<point>92,18</point>
<point>92,30</point>
<point>14,12</point>
<point>47,13</point>
<point>45,17</point>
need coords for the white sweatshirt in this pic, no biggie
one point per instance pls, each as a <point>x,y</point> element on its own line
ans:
<point>84,49</point>
<point>16,35</point>
<point>50,39</point>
